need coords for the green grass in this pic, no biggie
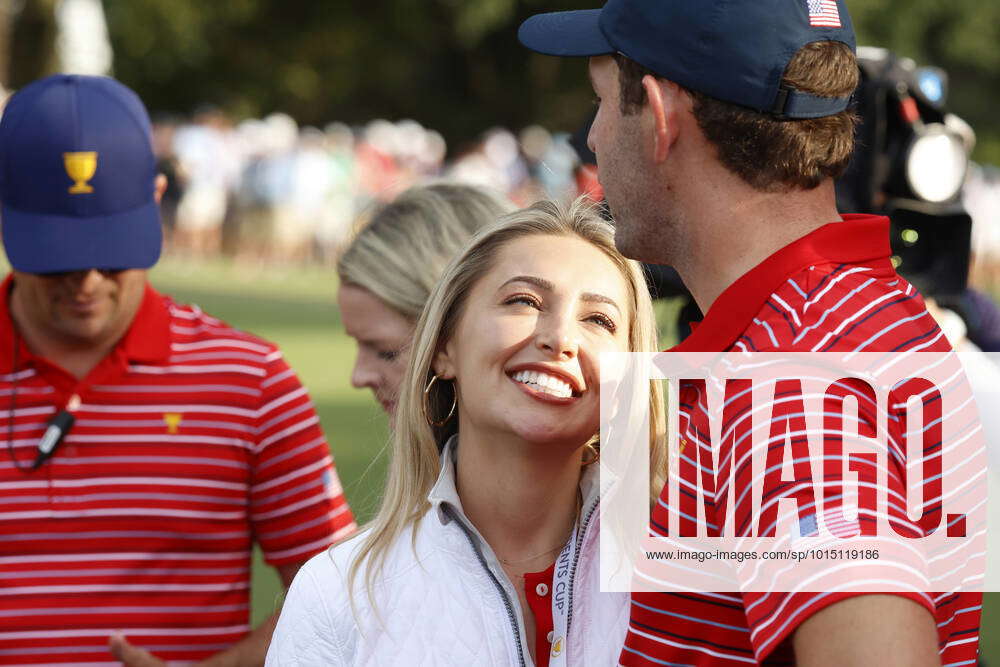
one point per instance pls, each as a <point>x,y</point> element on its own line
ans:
<point>295,308</point>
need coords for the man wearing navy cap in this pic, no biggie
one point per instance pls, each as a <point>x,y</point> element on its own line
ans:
<point>720,128</point>
<point>148,445</point>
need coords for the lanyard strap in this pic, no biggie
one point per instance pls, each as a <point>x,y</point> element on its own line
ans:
<point>560,601</point>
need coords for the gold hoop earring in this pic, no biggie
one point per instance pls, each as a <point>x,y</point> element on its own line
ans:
<point>594,454</point>
<point>427,412</point>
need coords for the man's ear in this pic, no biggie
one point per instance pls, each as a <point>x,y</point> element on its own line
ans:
<point>159,187</point>
<point>664,104</point>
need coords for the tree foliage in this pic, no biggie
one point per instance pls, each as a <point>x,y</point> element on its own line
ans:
<point>27,37</point>
<point>456,65</point>
<point>452,64</point>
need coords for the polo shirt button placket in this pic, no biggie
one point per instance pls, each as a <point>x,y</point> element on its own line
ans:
<point>60,495</point>
<point>72,405</point>
<point>542,590</point>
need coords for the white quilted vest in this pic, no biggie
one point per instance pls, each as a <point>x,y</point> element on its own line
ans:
<point>442,601</point>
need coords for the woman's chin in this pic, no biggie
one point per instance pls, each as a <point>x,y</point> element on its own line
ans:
<point>553,435</point>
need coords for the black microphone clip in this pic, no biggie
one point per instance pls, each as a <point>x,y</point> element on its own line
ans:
<point>55,431</point>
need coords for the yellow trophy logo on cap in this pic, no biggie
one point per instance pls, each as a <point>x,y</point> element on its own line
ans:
<point>80,166</point>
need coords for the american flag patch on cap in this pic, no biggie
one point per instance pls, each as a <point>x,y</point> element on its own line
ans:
<point>823,13</point>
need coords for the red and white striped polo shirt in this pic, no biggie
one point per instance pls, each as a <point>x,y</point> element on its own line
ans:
<point>832,290</point>
<point>192,441</point>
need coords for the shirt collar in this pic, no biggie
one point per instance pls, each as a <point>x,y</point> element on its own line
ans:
<point>147,339</point>
<point>445,491</point>
<point>858,239</point>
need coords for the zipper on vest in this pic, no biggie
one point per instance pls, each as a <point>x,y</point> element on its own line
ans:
<point>576,559</point>
<point>496,582</point>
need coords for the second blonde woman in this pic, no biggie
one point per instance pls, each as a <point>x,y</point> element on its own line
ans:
<point>389,268</point>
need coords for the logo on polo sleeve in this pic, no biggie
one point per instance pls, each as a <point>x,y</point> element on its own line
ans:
<point>80,167</point>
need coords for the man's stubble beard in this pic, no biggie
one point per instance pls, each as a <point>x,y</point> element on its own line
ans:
<point>649,229</point>
<point>648,222</point>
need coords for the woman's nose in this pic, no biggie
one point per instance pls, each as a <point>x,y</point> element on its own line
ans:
<point>557,337</point>
<point>363,375</point>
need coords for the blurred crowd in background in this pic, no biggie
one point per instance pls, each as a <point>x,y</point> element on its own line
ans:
<point>981,196</point>
<point>268,189</point>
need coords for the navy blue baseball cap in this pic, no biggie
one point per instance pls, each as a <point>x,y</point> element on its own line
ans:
<point>77,175</point>
<point>732,50</point>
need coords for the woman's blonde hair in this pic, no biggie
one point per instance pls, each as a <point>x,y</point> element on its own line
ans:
<point>399,253</point>
<point>416,445</point>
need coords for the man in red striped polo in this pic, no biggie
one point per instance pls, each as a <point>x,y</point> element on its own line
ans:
<point>148,445</point>
<point>720,129</point>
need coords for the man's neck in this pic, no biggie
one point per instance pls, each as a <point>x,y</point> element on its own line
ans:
<point>729,236</point>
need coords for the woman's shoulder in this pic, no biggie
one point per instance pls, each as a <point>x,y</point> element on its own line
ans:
<point>316,625</point>
<point>338,577</point>
<point>327,609</point>
<point>333,565</point>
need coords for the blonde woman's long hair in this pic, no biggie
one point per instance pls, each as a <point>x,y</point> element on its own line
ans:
<point>416,445</point>
<point>399,253</point>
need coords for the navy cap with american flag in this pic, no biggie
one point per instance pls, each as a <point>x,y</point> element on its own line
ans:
<point>732,50</point>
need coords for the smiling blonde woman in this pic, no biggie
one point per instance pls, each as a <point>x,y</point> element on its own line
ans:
<point>491,480</point>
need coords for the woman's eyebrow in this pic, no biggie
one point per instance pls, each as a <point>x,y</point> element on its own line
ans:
<point>542,283</point>
<point>593,297</point>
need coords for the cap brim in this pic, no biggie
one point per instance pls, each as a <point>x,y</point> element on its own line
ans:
<point>54,243</point>
<point>575,33</point>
